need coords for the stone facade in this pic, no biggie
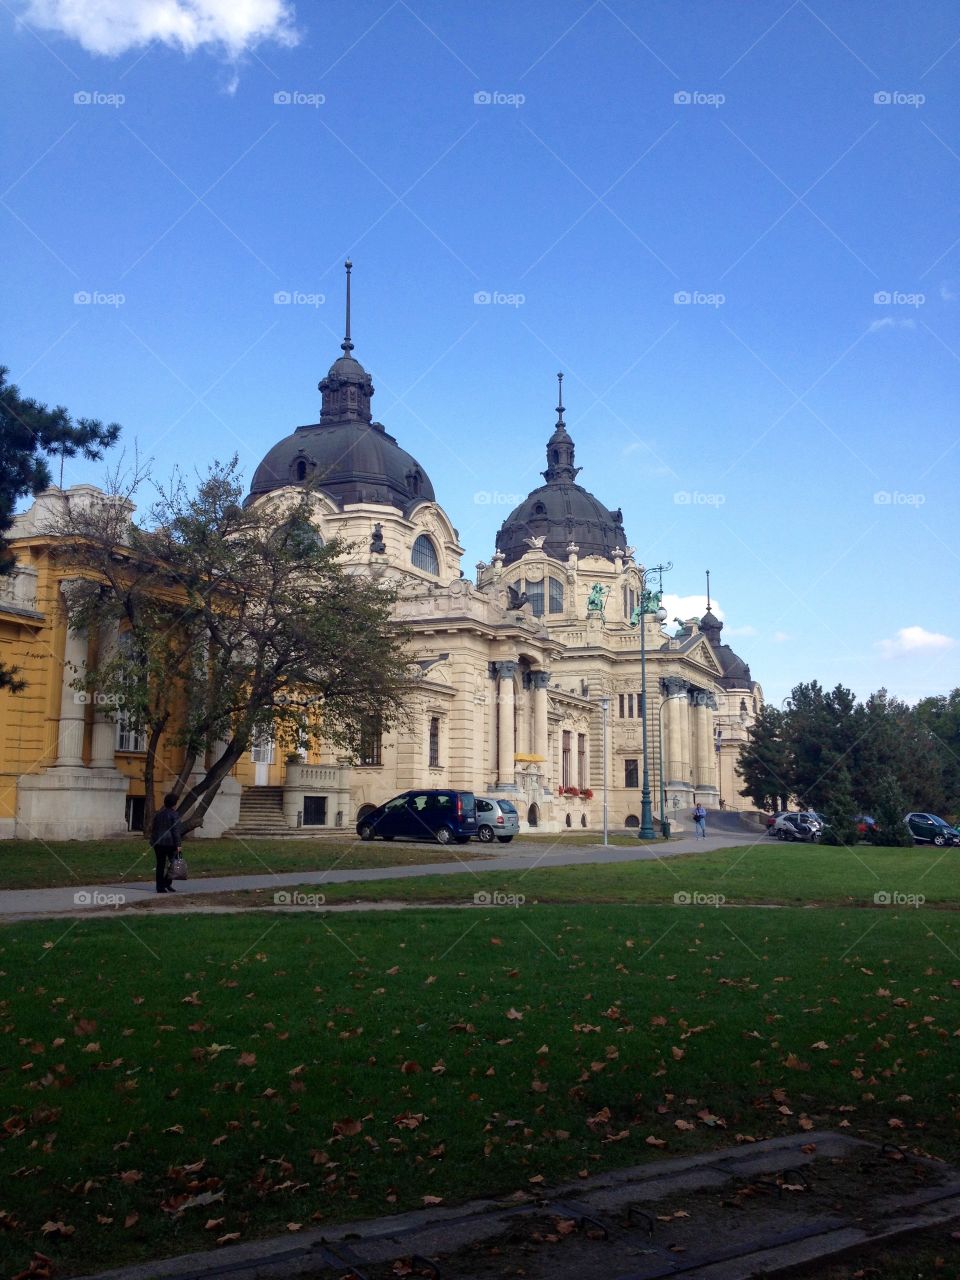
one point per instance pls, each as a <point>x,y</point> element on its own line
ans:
<point>515,666</point>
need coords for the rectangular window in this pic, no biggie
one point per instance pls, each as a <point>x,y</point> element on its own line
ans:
<point>128,737</point>
<point>556,596</point>
<point>629,706</point>
<point>534,592</point>
<point>581,760</point>
<point>631,773</point>
<point>434,744</point>
<point>262,750</point>
<point>623,703</point>
<point>565,760</point>
<point>371,741</point>
<point>314,811</point>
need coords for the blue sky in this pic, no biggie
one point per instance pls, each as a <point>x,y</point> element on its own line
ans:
<point>791,169</point>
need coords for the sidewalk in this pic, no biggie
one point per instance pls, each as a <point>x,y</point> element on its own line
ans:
<point>15,904</point>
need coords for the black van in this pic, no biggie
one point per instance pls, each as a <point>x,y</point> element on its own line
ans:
<point>443,816</point>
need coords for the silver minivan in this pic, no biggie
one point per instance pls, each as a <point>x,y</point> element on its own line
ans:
<point>496,819</point>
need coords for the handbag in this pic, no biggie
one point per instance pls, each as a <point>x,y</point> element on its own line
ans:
<point>178,868</point>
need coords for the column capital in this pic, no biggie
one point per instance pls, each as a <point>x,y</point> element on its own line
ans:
<point>507,669</point>
<point>541,679</point>
<point>674,686</point>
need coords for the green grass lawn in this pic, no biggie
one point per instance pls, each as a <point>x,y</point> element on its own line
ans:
<point>789,874</point>
<point>35,864</point>
<point>302,1068</point>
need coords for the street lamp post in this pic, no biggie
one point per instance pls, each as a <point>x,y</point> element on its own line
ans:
<point>649,603</point>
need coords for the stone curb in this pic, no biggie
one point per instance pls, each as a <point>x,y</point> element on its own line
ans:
<point>372,1242</point>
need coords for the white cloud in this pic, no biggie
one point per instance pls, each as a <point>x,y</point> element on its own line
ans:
<point>113,27</point>
<point>690,607</point>
<point>947,293</point>
<point>780,636</point>
<point>914,640</point>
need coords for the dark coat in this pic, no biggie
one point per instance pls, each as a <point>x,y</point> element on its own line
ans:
<point>166,832</point>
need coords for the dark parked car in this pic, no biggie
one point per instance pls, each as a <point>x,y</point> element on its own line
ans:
<point>496,818</point>
<point>927,828</point>
<point>443,816</point>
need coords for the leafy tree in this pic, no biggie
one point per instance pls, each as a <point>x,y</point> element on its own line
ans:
<point>938,725</point>
<point>840,809</point>
<point>821,730</point>
<point>888,812</point>
<point>233,623</point>
<point>29,434</point>
<point>764,761</point>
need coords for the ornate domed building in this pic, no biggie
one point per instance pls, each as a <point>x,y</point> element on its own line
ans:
<point>532,676</point>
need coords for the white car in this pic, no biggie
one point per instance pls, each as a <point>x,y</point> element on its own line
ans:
<point>804,826</point>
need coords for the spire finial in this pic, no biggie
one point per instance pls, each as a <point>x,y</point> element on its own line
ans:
<point>346,345</point>
<point>708,591</point>
<point>560,398</point>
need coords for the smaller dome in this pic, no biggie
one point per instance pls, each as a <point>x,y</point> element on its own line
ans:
<point>735,670</point>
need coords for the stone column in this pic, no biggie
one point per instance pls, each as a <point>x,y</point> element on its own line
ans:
<point>704,722</point>
<point>72,702</point>
<point>672,761</point>
<point>104,744</point>
<point>541,683</point>
<point>505,724</point>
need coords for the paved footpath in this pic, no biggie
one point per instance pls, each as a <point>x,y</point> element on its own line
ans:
<point>16,904</point>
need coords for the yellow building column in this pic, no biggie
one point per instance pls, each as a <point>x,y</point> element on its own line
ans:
<point>705,775</point>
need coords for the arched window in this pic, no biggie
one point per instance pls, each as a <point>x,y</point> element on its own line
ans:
<point>425,555</point>
<point>433,743</point>
<point>556,457</point>
<point>556,595</point>
<point>301,469</point>
<point>632,820</point>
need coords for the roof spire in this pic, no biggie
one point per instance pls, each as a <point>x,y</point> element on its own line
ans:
<point>708,591</point>
<point>346,345</point>
<point>560,421</point>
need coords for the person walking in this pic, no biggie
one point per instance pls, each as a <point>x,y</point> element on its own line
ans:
<point>700,819</point>
<point>166,840</point>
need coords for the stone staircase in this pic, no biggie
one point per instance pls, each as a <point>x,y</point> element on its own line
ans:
<point>261,814</point>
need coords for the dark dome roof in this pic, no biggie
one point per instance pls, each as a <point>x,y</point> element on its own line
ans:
<point>736,673</point>
<point>350,461</point>
<point>561,511</point>
<point>560,514</point>
<point>346,454</point>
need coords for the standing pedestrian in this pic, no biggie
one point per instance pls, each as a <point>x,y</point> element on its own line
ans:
<point>700,818</point>
<point>166,839</point>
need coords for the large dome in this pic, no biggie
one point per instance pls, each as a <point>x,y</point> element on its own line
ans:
<point>346,454</point>
<point>561,512</point>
